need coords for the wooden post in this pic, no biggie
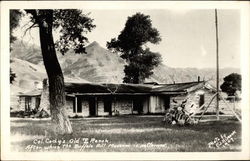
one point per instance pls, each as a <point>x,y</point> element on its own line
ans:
<point>217,66</point>
<point>148,104</point>
<point>96,106</point>
<point>75,107</point>
<point>111,106</point>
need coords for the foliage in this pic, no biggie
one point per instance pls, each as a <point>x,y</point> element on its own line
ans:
<point>12,76</point>
<point>231,84</point>
<point>131,42</point>
<point>72,25</point>
<point>15,16</point>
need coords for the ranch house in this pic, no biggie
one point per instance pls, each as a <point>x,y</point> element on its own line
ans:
<point>92,99</point>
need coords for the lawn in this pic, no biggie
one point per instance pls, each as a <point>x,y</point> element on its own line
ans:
<point>125,134</point>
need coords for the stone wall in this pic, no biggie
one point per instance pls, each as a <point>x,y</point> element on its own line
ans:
<point>194,98</point>
<point>21,104</point>
<point>124,106</point>
<point>32,103</point>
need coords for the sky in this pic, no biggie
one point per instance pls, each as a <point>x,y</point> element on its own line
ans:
<point>188,35</point>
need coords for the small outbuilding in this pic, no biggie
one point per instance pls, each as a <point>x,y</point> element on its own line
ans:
<point>30,100</point>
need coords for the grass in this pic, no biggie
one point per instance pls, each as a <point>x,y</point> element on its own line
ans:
<point>124,134</point>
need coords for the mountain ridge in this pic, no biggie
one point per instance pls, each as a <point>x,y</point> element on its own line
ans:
<point>100,65</point>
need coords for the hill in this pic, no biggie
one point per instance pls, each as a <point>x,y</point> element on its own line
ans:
<point>30,76</point>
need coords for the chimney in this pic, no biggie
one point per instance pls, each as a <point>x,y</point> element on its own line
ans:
<point>198,78</point>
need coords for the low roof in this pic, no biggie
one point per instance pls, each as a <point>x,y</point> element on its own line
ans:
<point>106,88</point>
<point>35,92</point>
<point>110,88</point>
<point>179,87</point>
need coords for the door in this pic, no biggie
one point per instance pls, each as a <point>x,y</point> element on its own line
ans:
<point>27,103</point>
<point>92,106</point>
<point>79,105</point>
<point>108,105</point>
<point>166,102</point>
<point>138,104</point>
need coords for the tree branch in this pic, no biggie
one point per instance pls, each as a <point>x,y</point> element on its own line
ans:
<point>29,28</point>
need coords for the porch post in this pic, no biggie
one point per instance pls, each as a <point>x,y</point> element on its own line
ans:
<point>111,106</point>
<point>75,105</point>
<point>96,106</point>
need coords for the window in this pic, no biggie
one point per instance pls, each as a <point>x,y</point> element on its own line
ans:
<point>202,100</point>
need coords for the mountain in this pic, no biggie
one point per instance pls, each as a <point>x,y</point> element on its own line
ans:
<point>165,74</point>
<point>25,51</point>
<point>100,65</point>
<point>97,65</point>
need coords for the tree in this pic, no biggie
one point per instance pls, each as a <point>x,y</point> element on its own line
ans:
<point>12,76</point>
<point>15,16</point>
<point>231,84</point>
<point>131,44</point>
<point>72,24</point>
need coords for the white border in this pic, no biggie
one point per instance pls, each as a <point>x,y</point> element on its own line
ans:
<point>5,91</point>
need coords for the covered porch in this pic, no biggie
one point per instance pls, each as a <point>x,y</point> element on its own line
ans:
<point>119,104</point>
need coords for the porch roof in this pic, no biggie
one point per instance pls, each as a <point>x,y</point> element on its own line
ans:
<point>179,87</point>
<point>123,89</point>
<point>135,89</point>
<point>106,88</point>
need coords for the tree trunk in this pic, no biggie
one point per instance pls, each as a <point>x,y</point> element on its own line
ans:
<point>55,76</point>
<point>44,103</point>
